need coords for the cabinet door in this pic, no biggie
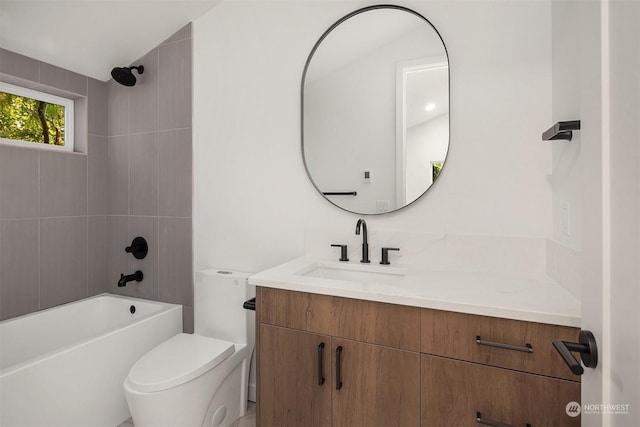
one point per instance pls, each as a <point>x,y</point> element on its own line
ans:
<point>457,393</point>
<point>380,385</point>
<point>290,389</point>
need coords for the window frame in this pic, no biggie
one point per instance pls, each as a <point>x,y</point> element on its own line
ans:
<point>69,114</point>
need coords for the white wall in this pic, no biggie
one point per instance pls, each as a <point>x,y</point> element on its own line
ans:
<point>567,168</point>
<point>252,198</point>
<point>420,155</point>
<point>563,255</point>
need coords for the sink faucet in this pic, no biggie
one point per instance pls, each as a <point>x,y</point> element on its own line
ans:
<point>365,244</point>
<point>137,276</point>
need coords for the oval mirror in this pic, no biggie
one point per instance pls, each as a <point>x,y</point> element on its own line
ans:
<point>375,109</point>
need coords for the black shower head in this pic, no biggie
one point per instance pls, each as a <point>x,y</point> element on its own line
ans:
<point>124,76</point>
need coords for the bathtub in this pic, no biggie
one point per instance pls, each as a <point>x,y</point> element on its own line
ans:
<point>65,366</point>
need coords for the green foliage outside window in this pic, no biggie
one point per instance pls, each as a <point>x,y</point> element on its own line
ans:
<point>436,168</point>
<point>28,119</point>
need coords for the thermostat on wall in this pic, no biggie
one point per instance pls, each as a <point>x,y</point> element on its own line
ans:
<point>366,176</point>
<point>383,206</point>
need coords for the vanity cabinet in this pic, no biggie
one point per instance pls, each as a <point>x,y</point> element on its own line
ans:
<point>380,386</point>
<point>507,343</point>
<point>498,370</point>
<point>291,387</point>
<point>371,369</point>
<point>457,393</point>
<point>392,365</point>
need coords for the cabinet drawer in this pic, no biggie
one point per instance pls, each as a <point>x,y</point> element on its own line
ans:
<point>481,338</point>
<point>367,321</point>
<point>455,393</point>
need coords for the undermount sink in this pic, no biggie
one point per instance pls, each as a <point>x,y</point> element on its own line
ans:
<point>355,273</point>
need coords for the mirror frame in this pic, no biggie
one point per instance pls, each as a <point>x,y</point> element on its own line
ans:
<point>304,75</point>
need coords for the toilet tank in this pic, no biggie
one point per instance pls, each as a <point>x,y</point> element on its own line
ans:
<point>218,312</point>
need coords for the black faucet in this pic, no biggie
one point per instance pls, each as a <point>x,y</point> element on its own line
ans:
<point>137,276</point>
<point>365,244</point>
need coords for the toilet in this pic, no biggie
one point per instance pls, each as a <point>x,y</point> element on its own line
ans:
<point>199,379</point>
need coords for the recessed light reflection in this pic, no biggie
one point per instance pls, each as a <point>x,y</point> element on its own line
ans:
<point>430,107</point>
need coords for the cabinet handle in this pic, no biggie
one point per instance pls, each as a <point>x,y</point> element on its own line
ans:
<point>338,368</point>
<point>524,348</point>
<point>492,423</point>
<point>320,372</point>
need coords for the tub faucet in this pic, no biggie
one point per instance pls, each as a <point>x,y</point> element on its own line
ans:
<point>137,276</point>
<point>365,244</point>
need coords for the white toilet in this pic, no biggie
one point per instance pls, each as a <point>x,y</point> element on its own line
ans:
<point>200,379</point>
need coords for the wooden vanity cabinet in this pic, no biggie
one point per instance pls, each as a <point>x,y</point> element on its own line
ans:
<point>291,387</point>
<point>456,393</point>
<point>380,386</point>
<point>365,383</point>
<point>479,339</point>
<point>499,370</point>
<point>403,366</point>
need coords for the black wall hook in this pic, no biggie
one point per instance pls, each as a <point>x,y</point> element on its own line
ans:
<point>138,248</point>
<point>587,348</point>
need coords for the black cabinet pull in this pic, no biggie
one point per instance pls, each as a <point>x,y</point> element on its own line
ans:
<point>320,372</point>
<point>338,368</point>
<point>524,348</point>
<point>492,423</point>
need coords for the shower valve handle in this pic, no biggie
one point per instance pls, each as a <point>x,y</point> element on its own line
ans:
<point>138,248</point>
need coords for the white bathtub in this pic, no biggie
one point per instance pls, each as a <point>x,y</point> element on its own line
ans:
<point>65,366</point>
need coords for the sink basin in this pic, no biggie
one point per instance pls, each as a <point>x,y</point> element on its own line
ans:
<point>355,273</point>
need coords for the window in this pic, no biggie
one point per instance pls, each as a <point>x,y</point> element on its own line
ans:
<point>30,118</point>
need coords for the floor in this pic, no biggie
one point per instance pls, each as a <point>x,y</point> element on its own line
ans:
<point>249,420</point>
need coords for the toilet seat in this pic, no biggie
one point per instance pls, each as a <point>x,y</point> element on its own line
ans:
<point>178,360</point>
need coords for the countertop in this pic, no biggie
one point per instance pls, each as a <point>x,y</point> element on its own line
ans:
<point>523,296</point>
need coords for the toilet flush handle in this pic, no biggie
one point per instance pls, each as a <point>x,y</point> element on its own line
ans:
<point>250,304</point>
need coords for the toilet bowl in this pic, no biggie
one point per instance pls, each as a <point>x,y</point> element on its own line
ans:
<point>199,379</point>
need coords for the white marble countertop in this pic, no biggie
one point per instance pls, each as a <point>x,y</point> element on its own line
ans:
<point>523,296</point>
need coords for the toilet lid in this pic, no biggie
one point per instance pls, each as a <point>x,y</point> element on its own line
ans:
<point>178,360</point>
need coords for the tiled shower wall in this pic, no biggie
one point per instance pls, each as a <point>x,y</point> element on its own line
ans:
<point>149,176</point>
<point>65,219</point>
<point>52,225</point>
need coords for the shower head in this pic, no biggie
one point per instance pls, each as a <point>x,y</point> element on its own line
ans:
<point>124,76</point>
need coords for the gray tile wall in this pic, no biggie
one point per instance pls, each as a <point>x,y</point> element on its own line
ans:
<point>149,176</point>
<point>65,219</point>
<point>53,205</point>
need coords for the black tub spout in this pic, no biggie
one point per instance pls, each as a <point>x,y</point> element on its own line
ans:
<point>137,276</point>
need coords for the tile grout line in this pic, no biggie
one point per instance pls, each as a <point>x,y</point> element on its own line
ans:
<point>39,219</point>
<point>39,239</point>
<point>158,175</point>
<point>88,183</point>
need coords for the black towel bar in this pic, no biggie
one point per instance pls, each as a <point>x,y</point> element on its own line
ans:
<point>340,193</point>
